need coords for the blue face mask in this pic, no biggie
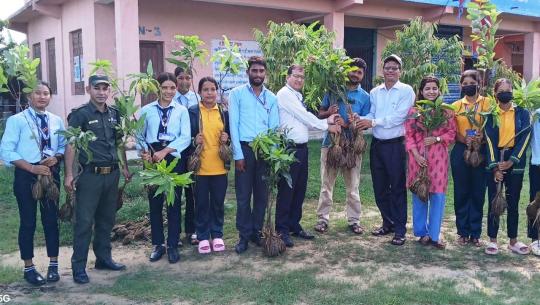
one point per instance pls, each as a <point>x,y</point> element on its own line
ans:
<point>505,97</point>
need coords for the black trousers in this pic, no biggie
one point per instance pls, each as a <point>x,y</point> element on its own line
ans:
<point>22,188</point>
<point>173,214</point>
<point>513,184</point>
<point>534,187</point>
<point>469,193</point>
<point>249,220</point>
<point>189,218</point>
<point>210,194</point>
<point>290,200</point>
<point>388,161</point>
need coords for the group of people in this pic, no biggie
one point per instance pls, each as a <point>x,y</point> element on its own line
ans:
<point>181,122</point>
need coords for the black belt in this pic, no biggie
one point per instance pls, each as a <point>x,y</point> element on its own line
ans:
<point>298,145</point>
<point>157,146</point>
<point>388,141</point>
<point>102,169</point>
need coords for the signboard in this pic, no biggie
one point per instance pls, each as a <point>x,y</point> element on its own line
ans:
<point>247,48</point>
<point>517,7</point>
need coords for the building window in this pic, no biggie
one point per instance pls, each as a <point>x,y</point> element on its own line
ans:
<point>77,72</point>
<point>51,64</point>
<point>36,53</point>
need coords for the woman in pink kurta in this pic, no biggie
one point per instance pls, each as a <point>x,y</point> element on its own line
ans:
<point>429,149</point>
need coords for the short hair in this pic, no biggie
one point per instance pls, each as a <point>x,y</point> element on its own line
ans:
<point>207,79</point>
<point>165,76</point>
<point>360,63</point>
<point>256,60</point>
<point>178,70</point>
<point>470,73</point>
<point>424,82</point>
<point>294,67</point>
<point>499,82</point>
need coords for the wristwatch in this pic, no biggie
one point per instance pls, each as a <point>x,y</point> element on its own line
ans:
<point>438,139</point>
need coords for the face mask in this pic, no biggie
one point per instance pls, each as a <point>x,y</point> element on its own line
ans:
<point>469,90</point>
<point>504,97</point>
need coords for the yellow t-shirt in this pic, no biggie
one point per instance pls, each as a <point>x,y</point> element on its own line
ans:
<point>462,105</point>
<point>212,126</point>
<point>507,128</point>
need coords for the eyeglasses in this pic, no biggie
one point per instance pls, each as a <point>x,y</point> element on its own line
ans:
<point>391,69</point>
<point>298,76</point>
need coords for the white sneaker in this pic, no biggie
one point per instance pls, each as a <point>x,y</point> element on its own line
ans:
<point>535,247</point>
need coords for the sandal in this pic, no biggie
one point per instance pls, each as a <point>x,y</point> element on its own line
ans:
<point>381,231</point>
<point>535,247</point>
<point>218,245</point>
<point>356,228</point>
<point>519,248</point>
<point>321,227</point>
<point>204,247</point>
<point>476,242</point>
<point>492,248</point>
<point>462,241</point>
<point>398,241</point>
<point>424,240</point>
<point>193,239</point>
<point>438,245</point>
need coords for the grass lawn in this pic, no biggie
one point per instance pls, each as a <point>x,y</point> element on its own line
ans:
<point>335,268</point>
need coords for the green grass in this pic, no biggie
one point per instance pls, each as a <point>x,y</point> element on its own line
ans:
<point>336,268</point>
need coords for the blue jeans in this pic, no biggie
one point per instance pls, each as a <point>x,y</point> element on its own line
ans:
<point>428,217</point>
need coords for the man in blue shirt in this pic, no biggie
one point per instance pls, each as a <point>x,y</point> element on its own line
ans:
<point>390,104</point>
<point>358,99</point>
<point>187,98</point>
<point>253,110</point>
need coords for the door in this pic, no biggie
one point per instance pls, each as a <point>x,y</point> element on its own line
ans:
<point>151,51</point>
<point>361,43</point>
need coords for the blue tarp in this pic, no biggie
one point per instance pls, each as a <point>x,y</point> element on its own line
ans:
<point>517,7</point>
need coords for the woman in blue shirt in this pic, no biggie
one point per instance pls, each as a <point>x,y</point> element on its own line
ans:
<point>167,133</point>
<point>534,179</point>
<point>31,143</point>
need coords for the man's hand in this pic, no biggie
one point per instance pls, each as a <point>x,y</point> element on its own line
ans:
<point>240,165</point>
<point>160,155</point>
<point>68,183</point>
<point>127,174</point>
<point>146,156</point>
<point>364,124</point>
<point>49,161</point>
<point>334,129</point>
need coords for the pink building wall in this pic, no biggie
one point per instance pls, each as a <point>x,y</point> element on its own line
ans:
<point>208,21</point>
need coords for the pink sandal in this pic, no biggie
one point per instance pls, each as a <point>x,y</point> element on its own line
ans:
<point>204,247</point>
<point>218,245</point>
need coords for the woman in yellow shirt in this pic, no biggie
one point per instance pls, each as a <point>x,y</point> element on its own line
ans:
<point>469,181</point>
<point>210,128</point>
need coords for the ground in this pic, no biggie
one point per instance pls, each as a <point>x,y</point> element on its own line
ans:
<point>335,268</point>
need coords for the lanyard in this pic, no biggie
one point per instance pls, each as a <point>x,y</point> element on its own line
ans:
<point>475,107</point>
<point>42,134</point>
<point>263,101</point>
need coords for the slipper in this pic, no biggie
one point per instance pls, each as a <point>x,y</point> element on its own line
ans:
<point>492,248</point>
<point>204,247</point>
<point>193,239</point>
<point>475,242</point>
<point>519,248</point>
<point>398,241</point>
<point>535,247</point>
<point>424,240</point>
<point>462,241</point>
<point>218,245</point>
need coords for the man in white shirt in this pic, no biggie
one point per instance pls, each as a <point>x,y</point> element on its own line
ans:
<point>294,116</point>
<point>390,103</point>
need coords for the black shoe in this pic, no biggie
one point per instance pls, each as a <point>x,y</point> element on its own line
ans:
<point>241,246</point>
<point>109,265</point>
<point>52,274</point>
<point>33,277</point>
<point>80,277</point>
<point>287,241</point>
<point>172,253</point>
<point>381,231</point>
<point>157,253</point>
<point>303,234</point>
<point>257,239</point>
